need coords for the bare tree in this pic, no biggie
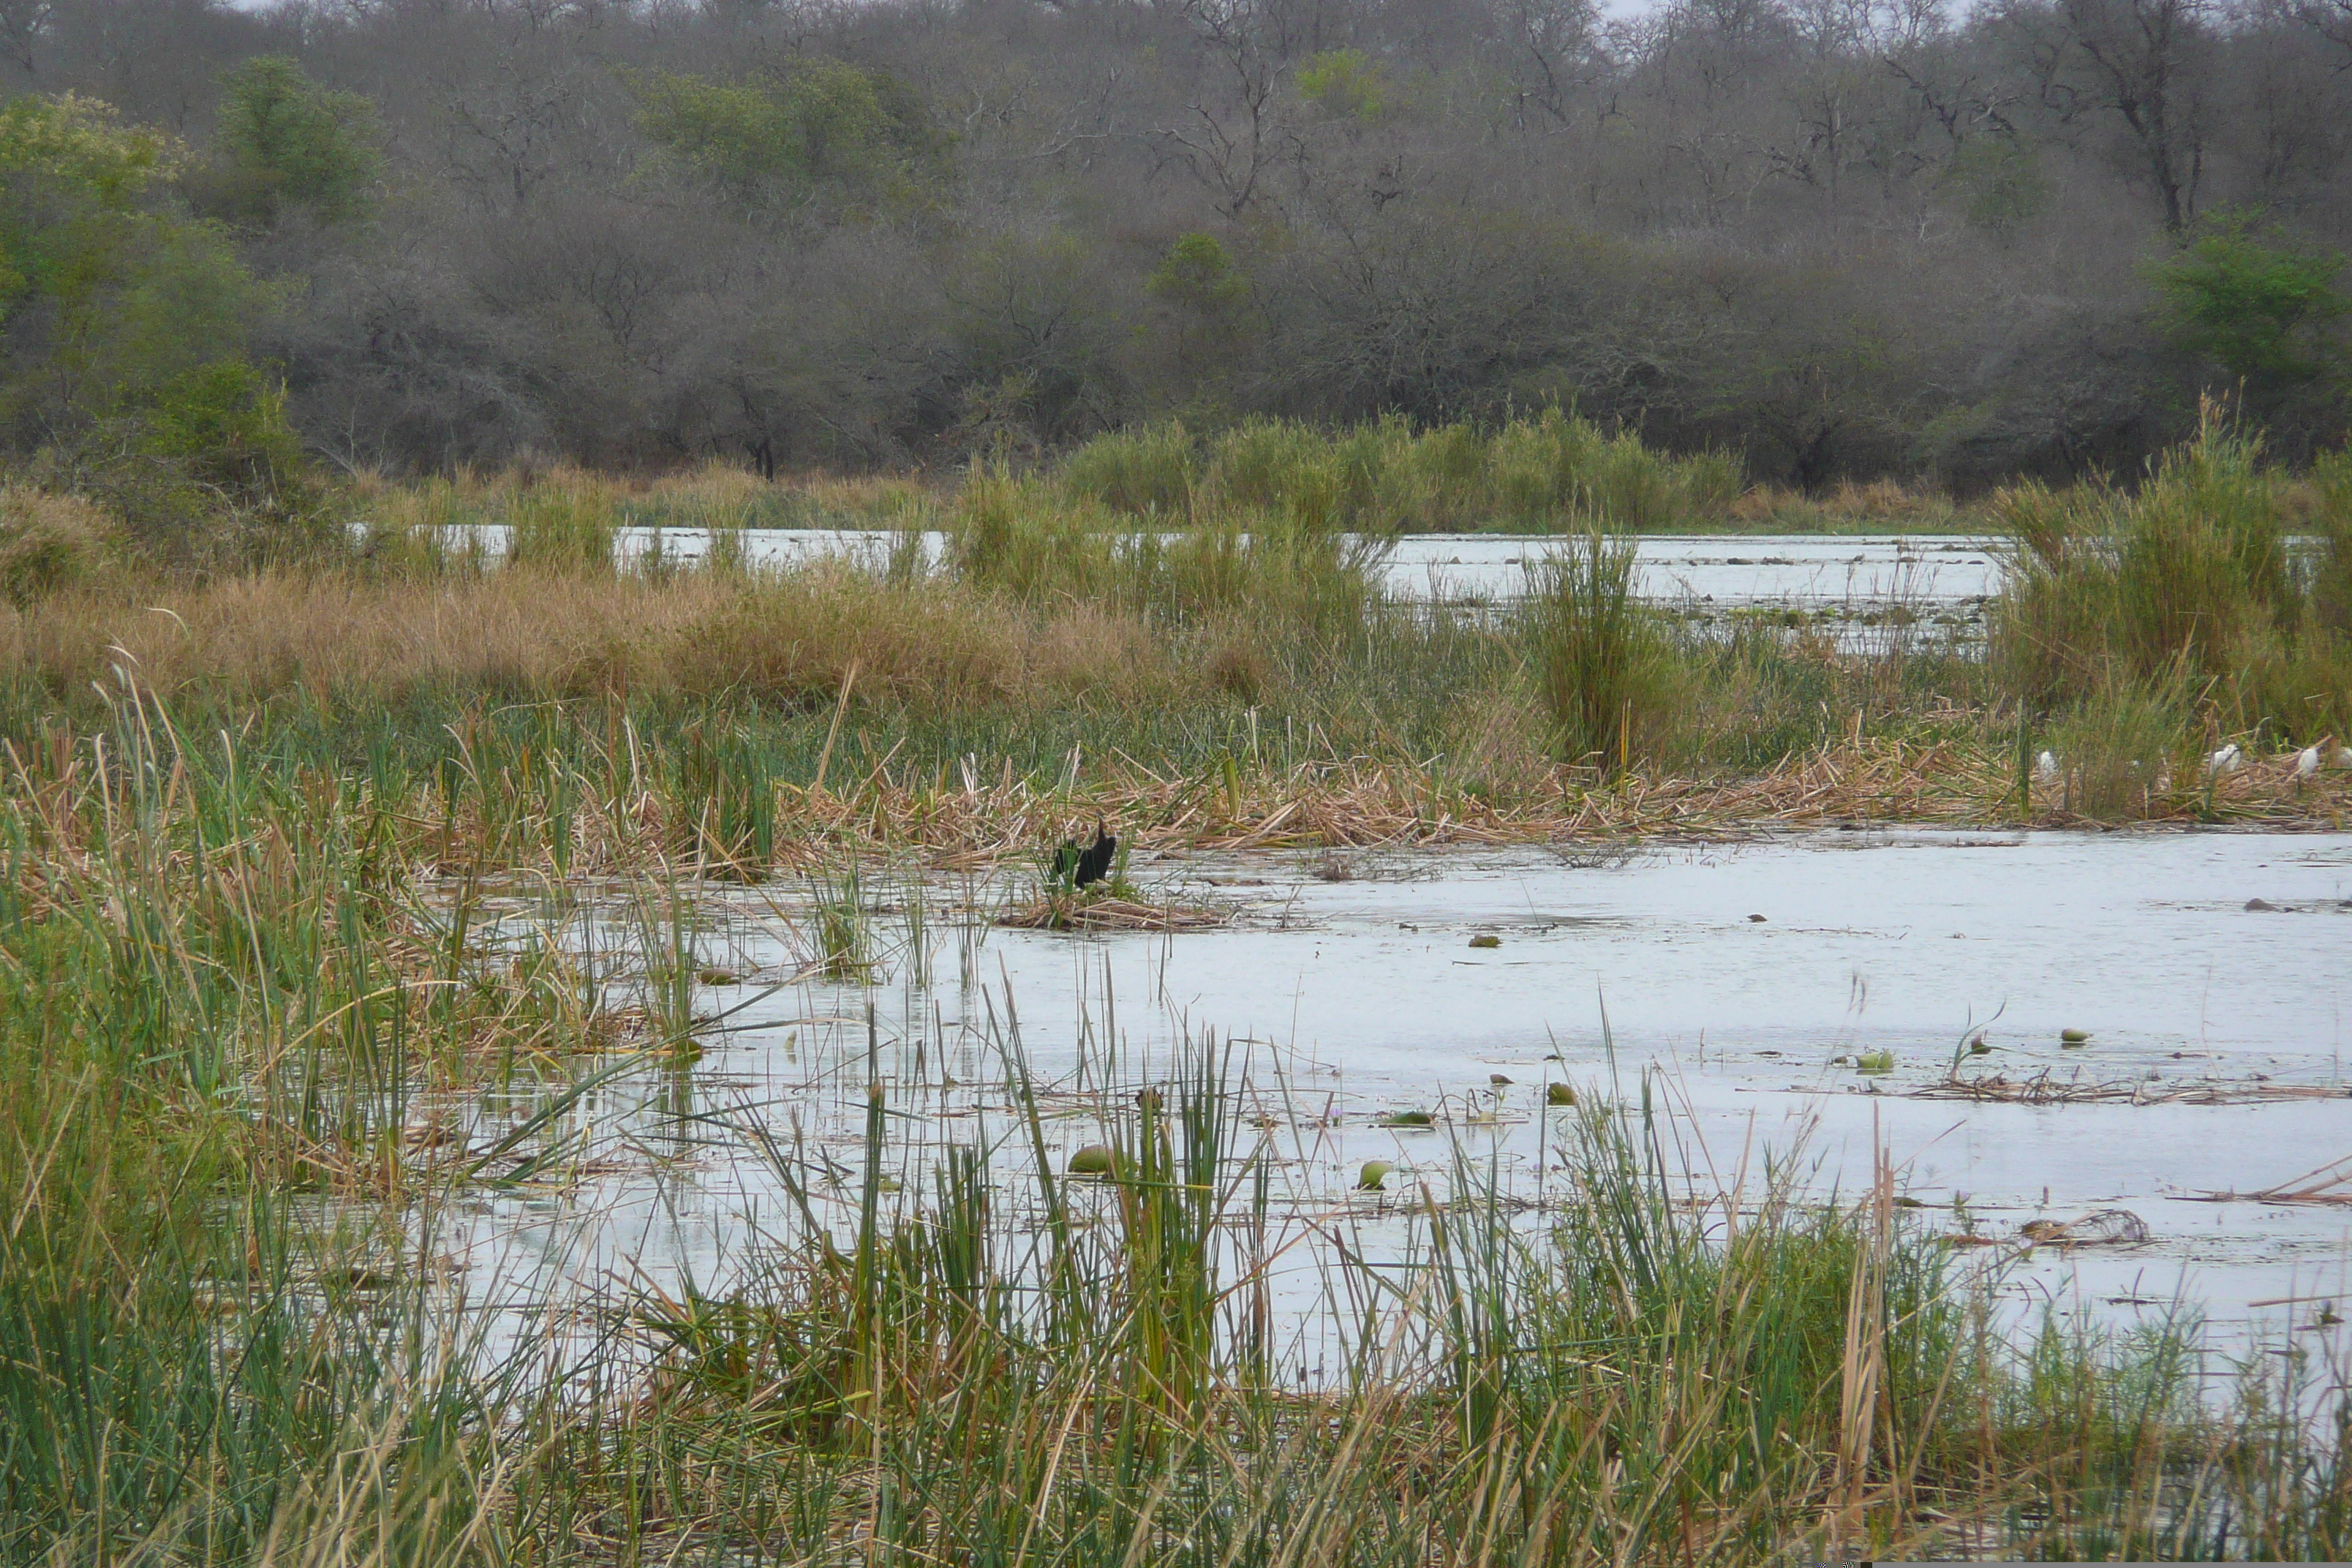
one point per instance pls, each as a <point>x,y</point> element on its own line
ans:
<point>2145,62</point>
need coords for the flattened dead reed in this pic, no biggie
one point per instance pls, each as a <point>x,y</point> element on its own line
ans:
<point>1064,912</point>
<point>2049,1088</point>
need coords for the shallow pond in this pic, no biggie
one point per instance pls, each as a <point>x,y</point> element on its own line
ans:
<point>1345,989</point>
<point>1808,572</point>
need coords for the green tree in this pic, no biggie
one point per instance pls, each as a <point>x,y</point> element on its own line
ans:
<point>290,142</point>
<point>1197,271</point>
<point>1347,85</point>
<point>1997,184</point>
<point>2264,310</point>
<point>123,322</point>
<point>108,293</point>
<point>822,128</point>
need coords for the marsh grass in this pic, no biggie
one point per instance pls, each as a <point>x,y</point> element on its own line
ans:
<point>215,1016</point>
<point>1880,506</point>
<point>528,718</point>
<point>1275,565</point>
<point>712,496</point>
<point>1540,474</point>
<point>2217,577</point>
<point>842,926</point>
<point>239,1040</point>
<point>1610,676</point>
<point>1638,1374</point>
<point>726,798</point>
<point>567,528</point>
<point>2124,746</point>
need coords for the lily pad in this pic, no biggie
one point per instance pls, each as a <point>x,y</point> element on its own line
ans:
<point>1408,1119</point>
<point>1095,1159</point>
<point>2074,1039</point>
<point>1485,941</point>
<point>1374,1176</point>
<point>1560,1094</point>
<point>1875,1061</point>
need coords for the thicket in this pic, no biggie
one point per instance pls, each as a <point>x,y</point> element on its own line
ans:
<point>804,237</point>
<point>125,323</point>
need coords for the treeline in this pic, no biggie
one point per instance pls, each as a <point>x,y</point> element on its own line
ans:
<point>1834,238</point>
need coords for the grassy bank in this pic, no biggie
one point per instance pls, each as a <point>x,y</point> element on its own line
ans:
<point>2216,601</point>
<point>1204,682</point>
<point>1550,473</point>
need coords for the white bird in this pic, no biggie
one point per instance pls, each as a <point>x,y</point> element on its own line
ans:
<point>2306,762</point>
<point>2225,760</point>
<point>2045,767</point>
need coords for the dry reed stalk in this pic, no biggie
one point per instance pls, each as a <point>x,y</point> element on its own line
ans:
<point>1354,803</point>
<point>2046,1089</point>
<point>1862,1364</point>
<point>2323,1185</point>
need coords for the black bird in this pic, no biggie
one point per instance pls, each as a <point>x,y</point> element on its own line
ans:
<point>1094,860</point>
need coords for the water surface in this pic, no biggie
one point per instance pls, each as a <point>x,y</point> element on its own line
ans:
<point>1345,989</point>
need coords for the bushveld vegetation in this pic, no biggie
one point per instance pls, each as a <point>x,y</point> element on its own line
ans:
<point>234,1023</point>
<point>1841,243</point>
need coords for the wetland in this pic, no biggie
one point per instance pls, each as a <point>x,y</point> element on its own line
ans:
<point>532,1046</point>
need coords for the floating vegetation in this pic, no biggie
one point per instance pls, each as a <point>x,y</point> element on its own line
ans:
<point>2107,1227</point>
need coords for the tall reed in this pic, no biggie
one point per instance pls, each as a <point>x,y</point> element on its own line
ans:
<point>1607,673</point>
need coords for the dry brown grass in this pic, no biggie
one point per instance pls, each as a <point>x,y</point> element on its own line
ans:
<point>710,494</point>
<point>977,821</point>
<point>1849,507</point>
<point>524,633</point>
<point>49,541</point>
